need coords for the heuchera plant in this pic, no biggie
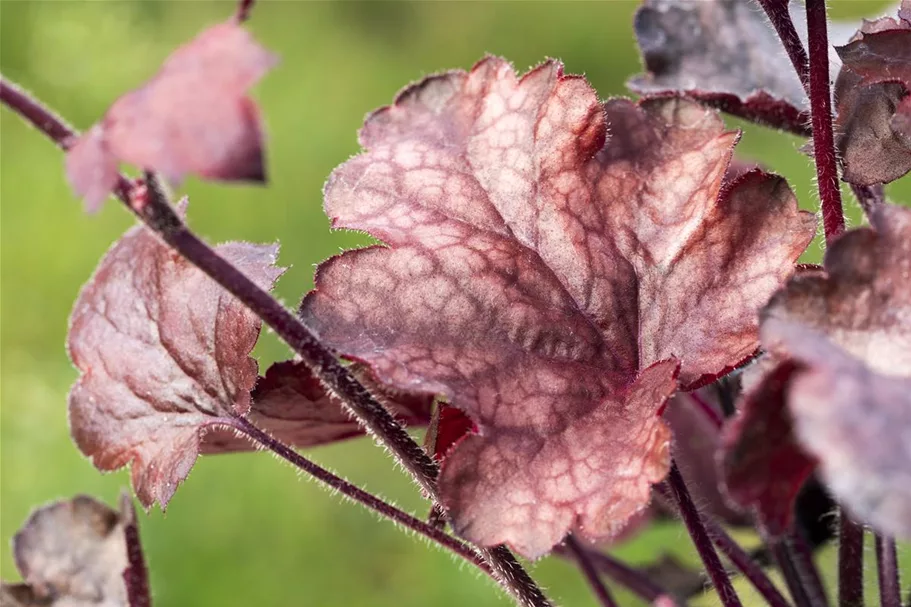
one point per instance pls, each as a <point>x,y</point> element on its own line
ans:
<point>594,307</point>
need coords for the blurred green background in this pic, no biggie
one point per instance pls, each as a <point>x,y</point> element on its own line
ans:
<point>243,529</point>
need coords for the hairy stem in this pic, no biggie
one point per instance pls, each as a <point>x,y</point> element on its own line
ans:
<point>624,575</point>
<point>833,217</point>
<point>887,565</point>
<point>780,18</point>
<point>358,495</point>
<point>792,571</point>
<point>583,558</point>
<point>746,564</point>
<point>155,211</point>
<point>696,528</point>
<point>136,575</point>
<point>850,562</point>
<point>806,566</point>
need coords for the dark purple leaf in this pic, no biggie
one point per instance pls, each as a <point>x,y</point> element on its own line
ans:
<point>164,354</point>
<point>193,117</point>
<point>851,328</point>
<point>293,406</point>
<point>762,464</point>
<point>548,284</point>
<point>872,95</point>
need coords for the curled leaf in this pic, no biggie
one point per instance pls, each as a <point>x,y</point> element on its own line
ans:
<point>73,554</point>
<point>164,355</point>
<point>851,328</point>
<point>192,117</point>
<point>549,280</point>
<point>292,405</point>
<point>872,98</point>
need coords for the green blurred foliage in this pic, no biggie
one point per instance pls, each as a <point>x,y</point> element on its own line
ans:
<point>242,530</point>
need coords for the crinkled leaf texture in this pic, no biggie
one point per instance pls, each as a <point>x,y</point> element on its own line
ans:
<point>852,330</point>
<point>873,94</point>
<point>725,54</point>
<point>551,282</point>
<point>761,463</point>
<point>72,554</point>
<point>292,405</point>
<point>192,117</point>
<point>164,354</point>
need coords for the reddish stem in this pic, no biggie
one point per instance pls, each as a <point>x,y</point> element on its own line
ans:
<point>696,528</point>
<point>887,565</point>
<point>157,214</point>
<point>833,217</point>
<point>808,570</point>
<point>358,495</point>
<point>631,579</point>
<point>582,557</point>
<point>850,562</point>
<point>780,17</point>
<point>707,409</point>
<point>136,575</point>
<point>243,10</point>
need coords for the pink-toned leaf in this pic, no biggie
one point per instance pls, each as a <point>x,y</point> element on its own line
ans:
<point>164,354</point>
<point>448,426</point>
<point>192,117</point>
<point>874,110</point>
<point>72,554</point>
<point>762,464</point>
<point>291,404</point>
<point>852,330</point>
<point>541,280</point>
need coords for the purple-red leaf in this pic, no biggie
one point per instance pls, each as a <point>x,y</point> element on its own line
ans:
<point>73,554</point>
<point>851,329</point>
<point>164,354</point>
<point>291,404</point>
<point>723,53</point>
<point>548,284</point>
<point>762,464</point>
<point>873,103</point>
<point>192,117</point>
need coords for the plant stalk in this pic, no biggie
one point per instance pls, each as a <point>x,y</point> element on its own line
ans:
<point>696,528</point>
<point>833,217</point>
<point>780,18</point>
<point>624,575</point>
<point>583,558</point>
<point>887,565</point>
<point>850,562</point>
<point>157,214</point>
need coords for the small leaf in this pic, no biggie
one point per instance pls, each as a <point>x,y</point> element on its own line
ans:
<point>851,328</point>
<point>192,117</point>
<point>292,405</point>
<point>72,554</point>
<point>163,353</point>
<point>761,462</point>
<point>548,284</point>
<point>873,103</point>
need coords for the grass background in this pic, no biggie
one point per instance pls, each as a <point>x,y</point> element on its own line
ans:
<point>243,530</point>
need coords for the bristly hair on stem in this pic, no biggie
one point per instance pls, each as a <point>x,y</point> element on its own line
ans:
<point>850,562</point>
<point>156,212</point>
<point>780,17</point>
<point>583,559</point>
<point>833,217</point>
<point>693,521</point>
<point>887,565</point>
